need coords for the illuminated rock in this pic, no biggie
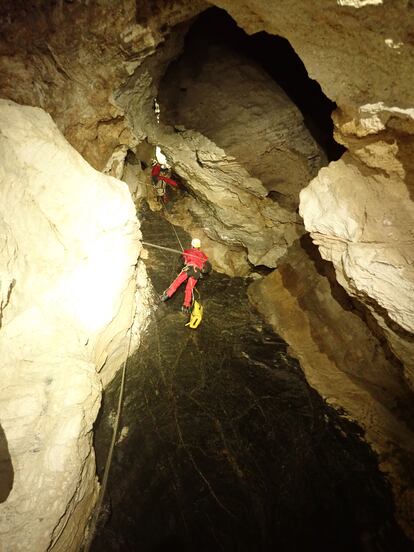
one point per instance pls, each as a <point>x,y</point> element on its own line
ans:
<point>70,240</point>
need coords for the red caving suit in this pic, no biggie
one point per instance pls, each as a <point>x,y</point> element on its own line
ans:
<point>155,175</point>
<point>194,261</point>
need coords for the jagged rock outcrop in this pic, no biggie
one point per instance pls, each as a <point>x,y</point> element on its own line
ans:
<point>229,176</point>
<point>230,203</point>
<point>371,80</point>
<point>241,101</point>
<point>68,58</point>
<point>231,207</point>
<point>69,243</point>
<point>365,227</point>
<point>344,360</point>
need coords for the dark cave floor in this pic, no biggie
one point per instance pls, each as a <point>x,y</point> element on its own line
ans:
<point>228,448</point>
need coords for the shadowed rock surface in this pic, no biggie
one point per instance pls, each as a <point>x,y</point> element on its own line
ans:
<point>242,100</point>
<point>6,468</point>
<point>226,447</point>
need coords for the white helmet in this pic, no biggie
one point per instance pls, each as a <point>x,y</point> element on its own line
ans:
<point>195,242</point>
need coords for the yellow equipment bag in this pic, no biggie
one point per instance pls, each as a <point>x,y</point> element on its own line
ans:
<point>196,316</point>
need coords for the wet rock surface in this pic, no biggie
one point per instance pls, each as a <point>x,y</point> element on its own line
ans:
<point>225,446</point>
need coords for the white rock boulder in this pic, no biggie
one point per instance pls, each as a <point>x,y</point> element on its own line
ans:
<point>365,227</point>
<point>68,249</point>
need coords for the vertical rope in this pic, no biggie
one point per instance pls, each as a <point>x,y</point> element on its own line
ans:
<point>95,515</point>
<point>176,235</point>
<point>173,227</point>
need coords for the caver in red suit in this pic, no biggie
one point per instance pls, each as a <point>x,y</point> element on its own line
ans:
<point>156,175</point>
<point>196,264</point>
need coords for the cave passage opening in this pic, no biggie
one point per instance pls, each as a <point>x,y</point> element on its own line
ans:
<point>276,56</point>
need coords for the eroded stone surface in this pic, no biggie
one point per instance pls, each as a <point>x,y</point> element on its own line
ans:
<point>364,225</point>
<point>229,211</point>
<point>362,59</point>
<point>344,361</point>
<point>343,48</point>
<point>69,246</point>
<point>249,116</point>
<point>231,205</point>
<point>68,58</point>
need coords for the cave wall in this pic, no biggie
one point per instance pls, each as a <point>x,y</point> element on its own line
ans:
<point>69,246</point>
<point>362,220</point>
<point>228,203</point>
<point>359,52</point>
<point>241,100</point>
<point>68,58</point>
<point>362,55</point>
<point>359,210</point>
<point>70,243</point>
<point>370,84</point>
<point>348,363</point>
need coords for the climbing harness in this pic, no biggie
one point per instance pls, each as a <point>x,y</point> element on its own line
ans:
<point>196,315</point>
<point>160,189</point>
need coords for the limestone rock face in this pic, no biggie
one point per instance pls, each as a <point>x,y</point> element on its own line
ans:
<point>229,203</point>
<point>249,116</point>
<point>231,207</point>
<point>365,227</point>
<point>344,360</point>
<point>69,243</point>
<point>362,54</point>
<point>68,58</point>
<point>358,56</point>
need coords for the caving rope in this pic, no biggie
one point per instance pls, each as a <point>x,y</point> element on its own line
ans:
<point>97,510</point>
<point>196,308</point>
<point>161,247</point>
<point>175,232</point>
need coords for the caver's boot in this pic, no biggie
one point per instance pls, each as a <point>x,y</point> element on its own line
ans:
<point>164,297</point>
